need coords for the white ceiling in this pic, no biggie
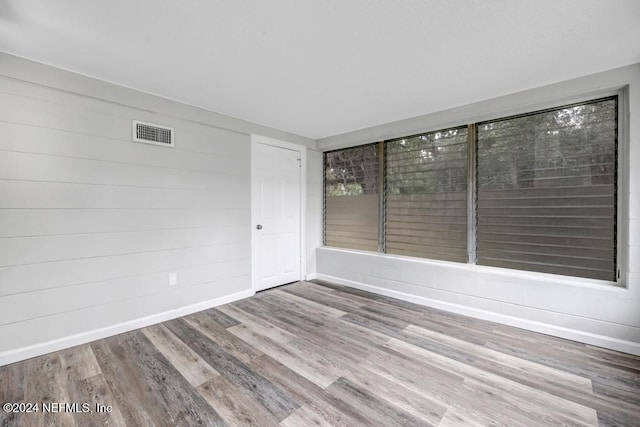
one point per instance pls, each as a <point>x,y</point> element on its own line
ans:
<point>319,68</point>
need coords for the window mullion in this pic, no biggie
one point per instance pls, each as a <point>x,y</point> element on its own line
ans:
<point>471,192</point>
<point>382,180</point>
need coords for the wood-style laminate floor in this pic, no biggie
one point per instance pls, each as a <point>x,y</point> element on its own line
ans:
<point>310,354</point>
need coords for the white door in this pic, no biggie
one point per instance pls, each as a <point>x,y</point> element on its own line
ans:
<point>275,189</point>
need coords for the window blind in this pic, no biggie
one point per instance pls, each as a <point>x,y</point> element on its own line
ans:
<point>547,191</point>
<point>426,195</point>
<point>352,198</point>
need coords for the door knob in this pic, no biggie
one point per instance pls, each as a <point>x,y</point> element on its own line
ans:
<point>258,227</point>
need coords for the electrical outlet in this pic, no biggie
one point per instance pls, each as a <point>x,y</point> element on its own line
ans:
<point>173,279</point>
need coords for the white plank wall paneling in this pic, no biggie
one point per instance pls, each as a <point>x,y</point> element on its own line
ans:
<point>28,305</point>
<point>24,70</point>
<point>101,320</point>
<point>91,223</point>
<point>52,221</point>
<point>33,250</point>
<point>42,276</point>
<point>29,139</point>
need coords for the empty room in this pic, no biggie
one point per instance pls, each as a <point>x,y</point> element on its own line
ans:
<point>320,213</point>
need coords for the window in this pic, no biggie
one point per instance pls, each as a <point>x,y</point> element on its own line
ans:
<point>426,197</point>
<point>547,191</point>
<point>351,192</point>
<point>535,192</point>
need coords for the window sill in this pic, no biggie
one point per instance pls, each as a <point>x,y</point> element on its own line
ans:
<point>541,278</point>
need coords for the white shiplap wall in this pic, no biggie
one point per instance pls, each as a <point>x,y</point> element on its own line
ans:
<point>91,223</point>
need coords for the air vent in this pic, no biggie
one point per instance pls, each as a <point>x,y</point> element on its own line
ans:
<point>152,134</point>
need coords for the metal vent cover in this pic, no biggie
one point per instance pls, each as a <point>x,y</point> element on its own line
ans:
<point>149,133</point>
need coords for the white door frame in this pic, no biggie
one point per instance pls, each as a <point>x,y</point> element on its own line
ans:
<point>302,150</point>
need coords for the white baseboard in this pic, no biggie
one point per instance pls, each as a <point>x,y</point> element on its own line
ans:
<point>531,325</point>
<point>24,353</point>
<point>311,276</point>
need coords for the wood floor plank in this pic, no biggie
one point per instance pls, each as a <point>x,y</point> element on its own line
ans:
<point>553,409</point>
<point>222,337</point>
<point>601,355</point>
<point>305,416</point>
<point>278,403</point>
<point>623,413</point>
<point>334,411</point>
<point>452,418</point>
<point>544,376</point>
<point>185,360</point>
<point>323,354</point>
<point>397,330</point>
<point>301,304</point>
<point>234,405</point>
<point>265,306</point>
<point>220,318</point>
<point>445,387</point>
<point>46,384</point>
<point>257,325</point>
<point>620,395</point>
<point>335,332</point>
<point>420,406</point>
<point>129,393</point>
<point>464,330</point>
<point>12,384</point>
<point>79,362</point>
<point>329,299</point>
<point>95,391</point>
<point>309,368</point>
<point>574,362</point>
<point>167,396</point>
<point>376,411</point>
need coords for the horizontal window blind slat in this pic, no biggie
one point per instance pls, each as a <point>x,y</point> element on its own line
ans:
<point>437,253</point>
<point>451,240</point>
<point>550,239</point>
<point>426,248</point>
<point>411,228</point>
<point>591,273</point>
<point>548,211</point>
<point>354,244</point>
<point>346,235</point>
<point>553,230</point>
<point>580,222</point>
<point>575,201</point>
<point>565,181</point>
<point>416,144</point>
<point>435,163</point>
<point>588,253</point>
<point>432,211</point>
<point>451,207</point>
<point>461,196</point>
<point>551,259</point>
<point>588,190</point>
<point>426,215</point>
<point>347,222</point>
<point>544,154</point>
<point>353,237</point>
